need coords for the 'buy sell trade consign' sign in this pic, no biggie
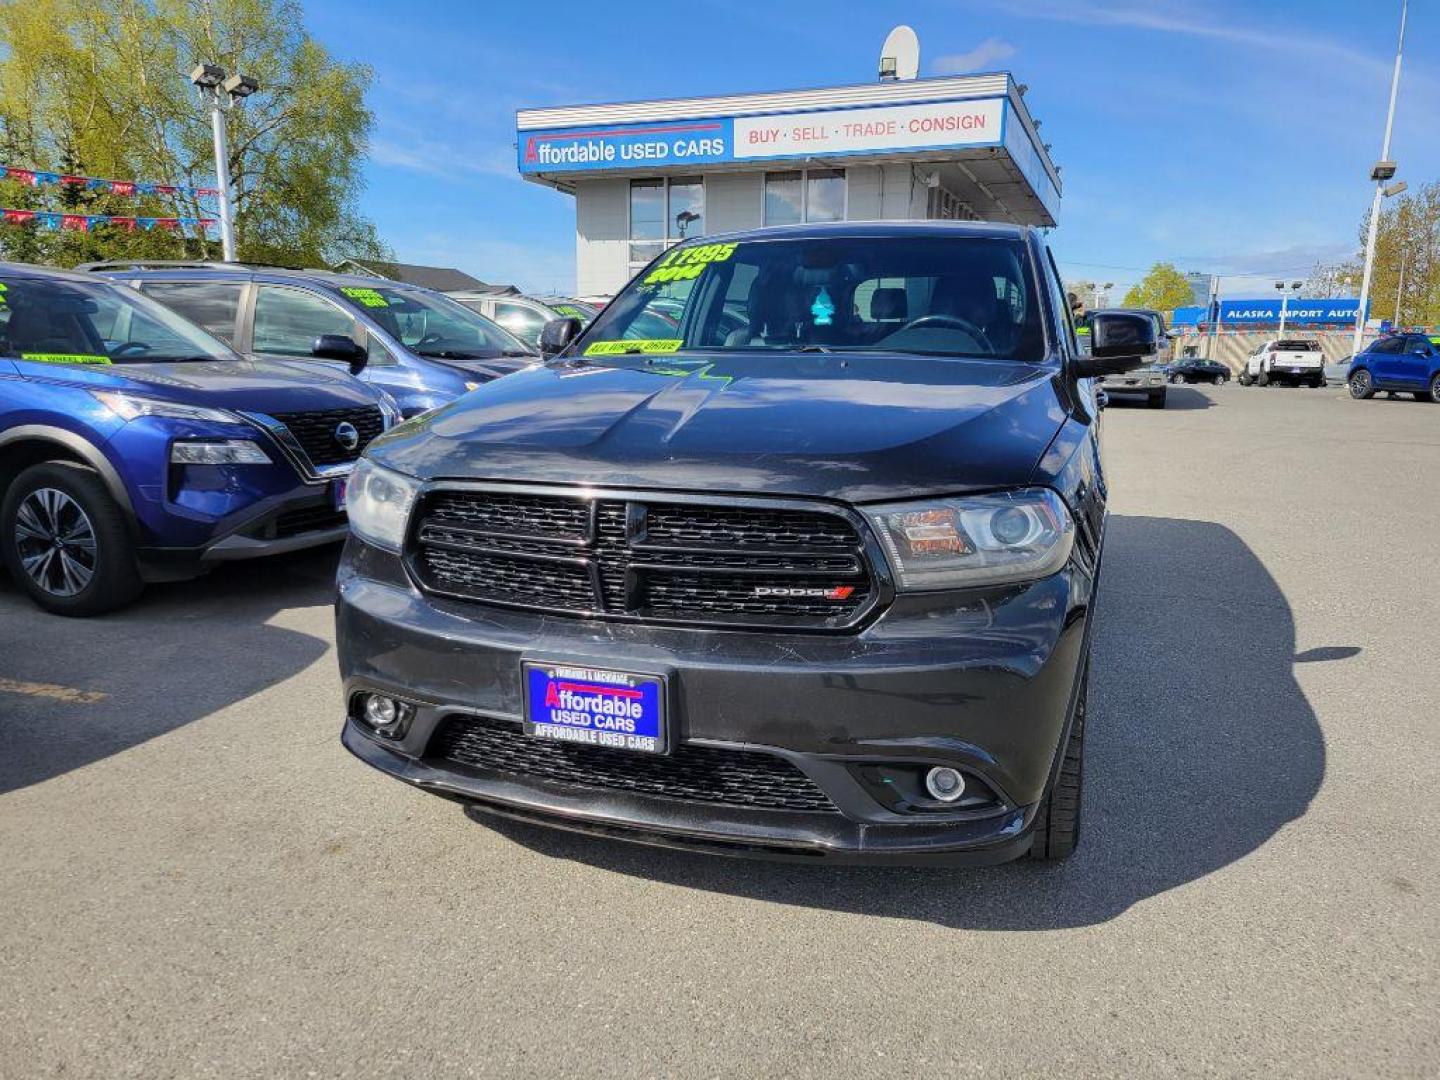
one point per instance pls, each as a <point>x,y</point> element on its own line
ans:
<point>826,132</point>
<point>852,131</point>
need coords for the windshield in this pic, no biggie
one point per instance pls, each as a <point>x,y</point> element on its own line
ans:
<point>942,296</point>
<point>67,322</point>
<point>430,324</point>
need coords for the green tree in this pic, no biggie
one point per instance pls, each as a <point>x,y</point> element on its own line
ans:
<point>1163,288</point>
<point>100,87</point>
<point>1407,261</point>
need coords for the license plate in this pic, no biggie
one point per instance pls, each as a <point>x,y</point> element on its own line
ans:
<point>595,707</point>
<point>337,494</point>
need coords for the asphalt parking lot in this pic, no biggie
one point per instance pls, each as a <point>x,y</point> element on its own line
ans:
<point>199,881</point>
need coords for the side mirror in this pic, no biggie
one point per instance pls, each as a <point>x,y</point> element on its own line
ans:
<point>339,347</point>
<point>1102,399</point>
<point>1119,341</point>
<point>556,336</point>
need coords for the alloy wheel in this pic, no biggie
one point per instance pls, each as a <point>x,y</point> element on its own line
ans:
<point>56,542</point>
<point>1360,384</point>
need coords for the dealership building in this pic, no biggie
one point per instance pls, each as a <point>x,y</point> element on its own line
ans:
<point>648,174</point>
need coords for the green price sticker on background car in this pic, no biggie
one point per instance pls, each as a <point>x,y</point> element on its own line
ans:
<point>368,297</point>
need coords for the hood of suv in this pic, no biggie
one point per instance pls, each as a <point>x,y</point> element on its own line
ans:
<point>252,384</point>
<point>852,427</point>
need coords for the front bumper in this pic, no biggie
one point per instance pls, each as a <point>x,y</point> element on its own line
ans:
<point>984,682</point>
<point>300,519</point>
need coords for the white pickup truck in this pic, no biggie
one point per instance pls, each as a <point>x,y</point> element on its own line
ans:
<point>1286,360</point>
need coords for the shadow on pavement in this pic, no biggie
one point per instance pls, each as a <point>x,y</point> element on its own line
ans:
<point>73,691</point>
<point>1177,396</point>
<point>1201,746</point>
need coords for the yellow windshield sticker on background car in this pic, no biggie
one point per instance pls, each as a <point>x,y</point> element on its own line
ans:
<point>680,264</point>
<point>647,345</point>
<point>64,358</point>
<point>570,311</point>
<point>367,297</point>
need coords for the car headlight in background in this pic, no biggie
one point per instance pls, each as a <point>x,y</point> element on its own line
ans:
<point>132,407</point>
<point>218,452</point>
<point>981,540</point>
<point>378,501</point>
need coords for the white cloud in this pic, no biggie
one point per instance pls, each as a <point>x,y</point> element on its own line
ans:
<point>1206,21</point>
<point>984,56</point>
<point>419,154</point>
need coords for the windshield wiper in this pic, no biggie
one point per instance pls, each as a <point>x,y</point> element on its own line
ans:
<point>516,352</point>
<point>457,354</point>
<point>812,348</point>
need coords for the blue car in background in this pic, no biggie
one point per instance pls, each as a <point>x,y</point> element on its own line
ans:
<point>1401,362</point>
<point>422,347</point>
<point>135,447</point>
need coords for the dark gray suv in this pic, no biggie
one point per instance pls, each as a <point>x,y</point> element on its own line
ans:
<point>811,576</point>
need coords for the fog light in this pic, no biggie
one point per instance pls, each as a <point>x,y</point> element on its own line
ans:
<point>944,784</point>
<point>381,711</point>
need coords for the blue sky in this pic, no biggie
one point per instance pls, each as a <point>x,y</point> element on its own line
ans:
<point>1224,136</point>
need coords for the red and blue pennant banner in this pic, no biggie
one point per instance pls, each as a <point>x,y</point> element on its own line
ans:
<point>48,219</point>
<point>41,178</point>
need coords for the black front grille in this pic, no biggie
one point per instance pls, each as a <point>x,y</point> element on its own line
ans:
<point>703,774</point>
<point>647,559</point>
<point>315,432</point>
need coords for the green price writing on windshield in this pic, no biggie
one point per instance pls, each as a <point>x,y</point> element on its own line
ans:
<point>681,264</point>
<point>367,297</point>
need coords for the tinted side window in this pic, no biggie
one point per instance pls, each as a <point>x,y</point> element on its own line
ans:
<point>1061,302</point>
<point>209,305</point>
<point>287,321</point>
<point>1387,345</point>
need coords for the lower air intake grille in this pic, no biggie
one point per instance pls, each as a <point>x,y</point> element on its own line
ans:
<point>701,774</point>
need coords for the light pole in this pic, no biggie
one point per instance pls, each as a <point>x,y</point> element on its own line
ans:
<point>222,92</point>
<point>1384,170</point>
<point>1285,300</point>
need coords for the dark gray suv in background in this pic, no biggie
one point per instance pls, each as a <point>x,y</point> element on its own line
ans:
<point>813,575</point>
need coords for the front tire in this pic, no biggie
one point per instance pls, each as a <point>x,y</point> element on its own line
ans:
<point>1263,379</point>
<point>65,541</point>
<point>1362,387</point>
<point>1057,822</point>
<point>1245,379</point>
<point>1177,378</point>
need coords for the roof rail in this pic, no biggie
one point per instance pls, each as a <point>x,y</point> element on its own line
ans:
<point>178,264</point>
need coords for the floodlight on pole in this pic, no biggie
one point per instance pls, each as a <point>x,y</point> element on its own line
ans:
<point>1293,286</point>
<point>220,92</point>
<point>1384,170</point>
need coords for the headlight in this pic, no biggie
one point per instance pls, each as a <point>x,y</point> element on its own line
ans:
<point>130,407</point>
<point>218,452</point>
<point>378,501</point>
<point>983,540</point>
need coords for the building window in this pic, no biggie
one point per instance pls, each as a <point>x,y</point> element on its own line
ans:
<point>945,205</point>
<point>664,212</point>
<point>804,195</point>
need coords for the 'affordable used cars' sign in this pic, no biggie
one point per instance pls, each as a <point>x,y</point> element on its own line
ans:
<point>826,132</point>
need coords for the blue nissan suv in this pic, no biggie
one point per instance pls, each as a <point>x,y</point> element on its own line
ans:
<point>420,346</point>
<point>135,447</point>
<point>1408,363</point>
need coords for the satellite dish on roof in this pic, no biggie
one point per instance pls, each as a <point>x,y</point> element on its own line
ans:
<point>900,55</point>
